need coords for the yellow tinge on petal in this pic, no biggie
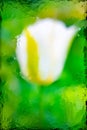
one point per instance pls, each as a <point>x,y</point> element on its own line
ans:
<point>33,60</point>
<point>42,49</point>
<point>32,53</point>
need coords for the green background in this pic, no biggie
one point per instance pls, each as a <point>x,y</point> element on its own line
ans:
<point>29,105</point>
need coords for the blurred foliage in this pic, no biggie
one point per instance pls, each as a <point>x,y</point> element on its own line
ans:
<point>28,105</point>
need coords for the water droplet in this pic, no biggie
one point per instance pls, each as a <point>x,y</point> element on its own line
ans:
<point>37,18</point>
<point>18,44</point>
<point>79,29</point>
<point>78,35</point>
<point>14,58</point>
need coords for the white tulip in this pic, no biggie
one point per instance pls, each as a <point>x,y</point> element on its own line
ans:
<point>42,49</point>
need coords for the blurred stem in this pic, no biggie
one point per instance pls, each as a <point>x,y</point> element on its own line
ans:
<point>41,106</point>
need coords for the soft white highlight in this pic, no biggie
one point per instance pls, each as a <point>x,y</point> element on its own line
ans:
<point>53,41</point>
<point>21,53</point>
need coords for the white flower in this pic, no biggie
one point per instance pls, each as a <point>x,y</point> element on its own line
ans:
<point>42,49</point>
